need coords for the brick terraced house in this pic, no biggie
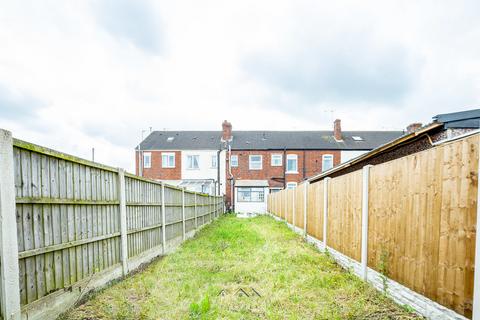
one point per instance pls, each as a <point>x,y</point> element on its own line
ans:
<point>247,165</point>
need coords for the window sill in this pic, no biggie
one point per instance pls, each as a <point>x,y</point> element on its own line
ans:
<point>291,172</point>
<point>168,167</point>
<point>255,169</point>
<point>193,169</point>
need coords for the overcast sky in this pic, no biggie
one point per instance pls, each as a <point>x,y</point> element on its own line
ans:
<point>81,74</point>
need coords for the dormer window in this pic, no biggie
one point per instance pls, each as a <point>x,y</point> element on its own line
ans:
<point>170,139</point>
<point>357,138</point>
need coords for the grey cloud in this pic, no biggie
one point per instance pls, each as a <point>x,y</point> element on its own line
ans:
<point>131,20</point>
<point>119,134</point>
<point>349,69</point>
<point>18,106</point>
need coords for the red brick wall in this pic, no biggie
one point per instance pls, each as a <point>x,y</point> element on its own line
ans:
<point>311,158</point>
<point>157,172</point>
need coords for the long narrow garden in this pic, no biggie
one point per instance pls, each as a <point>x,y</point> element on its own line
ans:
<point>242,269</point>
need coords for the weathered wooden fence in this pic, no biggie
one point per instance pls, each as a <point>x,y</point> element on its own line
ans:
<point>69,225</point>
<point>407,226</point>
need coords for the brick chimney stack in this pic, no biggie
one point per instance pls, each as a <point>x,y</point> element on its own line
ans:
<point>413,127</point>
<point>337,130</point>
<point>226,131</point>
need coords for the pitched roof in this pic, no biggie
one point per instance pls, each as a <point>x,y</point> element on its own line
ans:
<point>268,140</point>
<point>462,119</point>
<point>182,140</point>
<point>310,140</point>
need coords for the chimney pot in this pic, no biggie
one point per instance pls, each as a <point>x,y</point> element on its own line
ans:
<point>226,131</point>
<point>337,130</point>
<point>414,127</point>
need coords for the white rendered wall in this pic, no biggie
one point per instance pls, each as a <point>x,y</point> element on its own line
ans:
<point>205,170</point>
<point>252,207</point>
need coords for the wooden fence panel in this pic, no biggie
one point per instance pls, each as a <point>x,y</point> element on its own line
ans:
<point>315,210</point>
<point>299,205</point>
<point>144,214</point>
<point>422,222</point>
<point>67,222</point>
<point>189,211</point>
<point>173,213</point>
<point>344,225</point>
<point>289,205</point>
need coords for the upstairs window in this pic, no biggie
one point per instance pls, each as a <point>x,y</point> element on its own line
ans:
<point>276,160</point>
<point>214,162</point>
<point>327,162</point>
<point>147,159</point>
<point>292,163</point>
<point>193,161</point>
<point>234,160</point>
<point>168,160</point>
<point>255,162</point>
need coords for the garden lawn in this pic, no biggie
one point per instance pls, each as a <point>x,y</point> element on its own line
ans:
<point>242,269</point>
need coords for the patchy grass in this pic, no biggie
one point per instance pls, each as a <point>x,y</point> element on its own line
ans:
<point>242,269</point>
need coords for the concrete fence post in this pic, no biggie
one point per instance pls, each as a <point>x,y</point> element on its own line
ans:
<point>476,276</point>
<point>325,210</point>
<point>365,185</point>
<point>123,220</point>
<point>305,203</point>
<point>183,213</point>
<point>10,292</point>
<point>164,236</point>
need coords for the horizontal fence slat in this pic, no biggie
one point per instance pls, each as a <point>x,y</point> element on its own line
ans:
<point>71,244</point>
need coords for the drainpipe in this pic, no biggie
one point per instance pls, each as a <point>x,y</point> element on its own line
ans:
<point>232,180</point>
<point>218,169</point>
<point>304,168</point>
<point>284,168</point>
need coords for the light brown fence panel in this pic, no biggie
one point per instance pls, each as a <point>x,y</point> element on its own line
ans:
<point>280,204</point>
<point>300,205</point>
<point>144,214</point>
<point>422,221</point>
<point>315,210</point>
<point>289,205</point>
<point>67,221</point>
<point>344,225</point>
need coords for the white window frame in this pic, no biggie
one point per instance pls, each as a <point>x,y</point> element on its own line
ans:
<point>250,162</point>
<point>190,161</point>
<point>291,157</point>
<point>147,164</point>
<point>214,162</point>
<point>276,156</point>
<point>170,155</point>
<point>233,163</point>
<point>291,185</point>
<point>260,192</point>
<point>323,161</point>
